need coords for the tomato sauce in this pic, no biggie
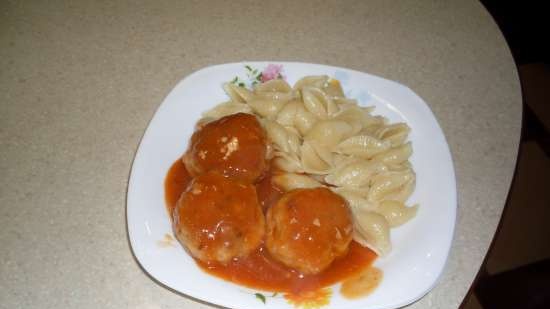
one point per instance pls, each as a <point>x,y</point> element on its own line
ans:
<point>268,194</point>
<point>175,183</point>
<point>259,270</point>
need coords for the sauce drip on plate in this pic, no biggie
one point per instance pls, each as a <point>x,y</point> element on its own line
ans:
<point>259,270</point>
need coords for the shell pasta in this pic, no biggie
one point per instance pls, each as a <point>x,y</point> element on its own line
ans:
<point>320,138</point>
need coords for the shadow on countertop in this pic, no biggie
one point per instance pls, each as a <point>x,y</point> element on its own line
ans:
<point>516,271</point>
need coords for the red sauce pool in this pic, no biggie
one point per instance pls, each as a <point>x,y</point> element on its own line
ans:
<point>259,270</point>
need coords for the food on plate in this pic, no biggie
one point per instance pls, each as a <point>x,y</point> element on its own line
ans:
<point>218,219</point>
<point>307,229</point>
<point>319,137</point>
<point>233,146</point>
<point>289,188</point>
<point>361,284</point>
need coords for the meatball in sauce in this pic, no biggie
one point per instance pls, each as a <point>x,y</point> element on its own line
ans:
<point>234,146</point>
<point>308,228</point>
<point>218,219</point>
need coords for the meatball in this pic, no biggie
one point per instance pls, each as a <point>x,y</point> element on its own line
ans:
<point>218,219</point>
<point>308,228</point>
<point>233,145</point>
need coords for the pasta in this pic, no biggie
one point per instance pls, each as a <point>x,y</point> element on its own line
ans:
<point>318,103</point>
<point>290,181</point>
<point>372,230</point>
<point>355,174</point>
<point>312,162</point>
<point>303,120</point>
<point>274,85</point>
<point>320,138</point>
<point>283,139</point>
<point>363,145</point>
<point>227,108</point>
<point>267,108</point>
<point>395,212</point>
<point>384,185</point>
<point>238,94</point>
<point>329,132</point>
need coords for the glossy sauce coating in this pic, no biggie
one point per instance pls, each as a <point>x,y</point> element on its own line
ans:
<point>308,228</point>
<point>274,276</point>
<point>218,219</point>
<point>234,146</point>
<point>268,193</point>
<point>175,183</point>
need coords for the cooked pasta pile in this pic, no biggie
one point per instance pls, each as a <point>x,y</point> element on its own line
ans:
<point>321,138</point>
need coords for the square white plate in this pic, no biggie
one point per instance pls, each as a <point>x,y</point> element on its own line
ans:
<point>420,247</point>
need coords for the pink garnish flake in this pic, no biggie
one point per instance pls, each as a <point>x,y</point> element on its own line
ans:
<point>272,71</point>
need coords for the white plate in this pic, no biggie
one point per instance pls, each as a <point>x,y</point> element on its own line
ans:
<point>420,247</point>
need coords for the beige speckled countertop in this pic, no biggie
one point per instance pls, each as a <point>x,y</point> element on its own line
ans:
<point>79,83</point>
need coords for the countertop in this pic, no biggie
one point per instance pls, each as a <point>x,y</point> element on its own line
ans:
<point>80,81</point>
